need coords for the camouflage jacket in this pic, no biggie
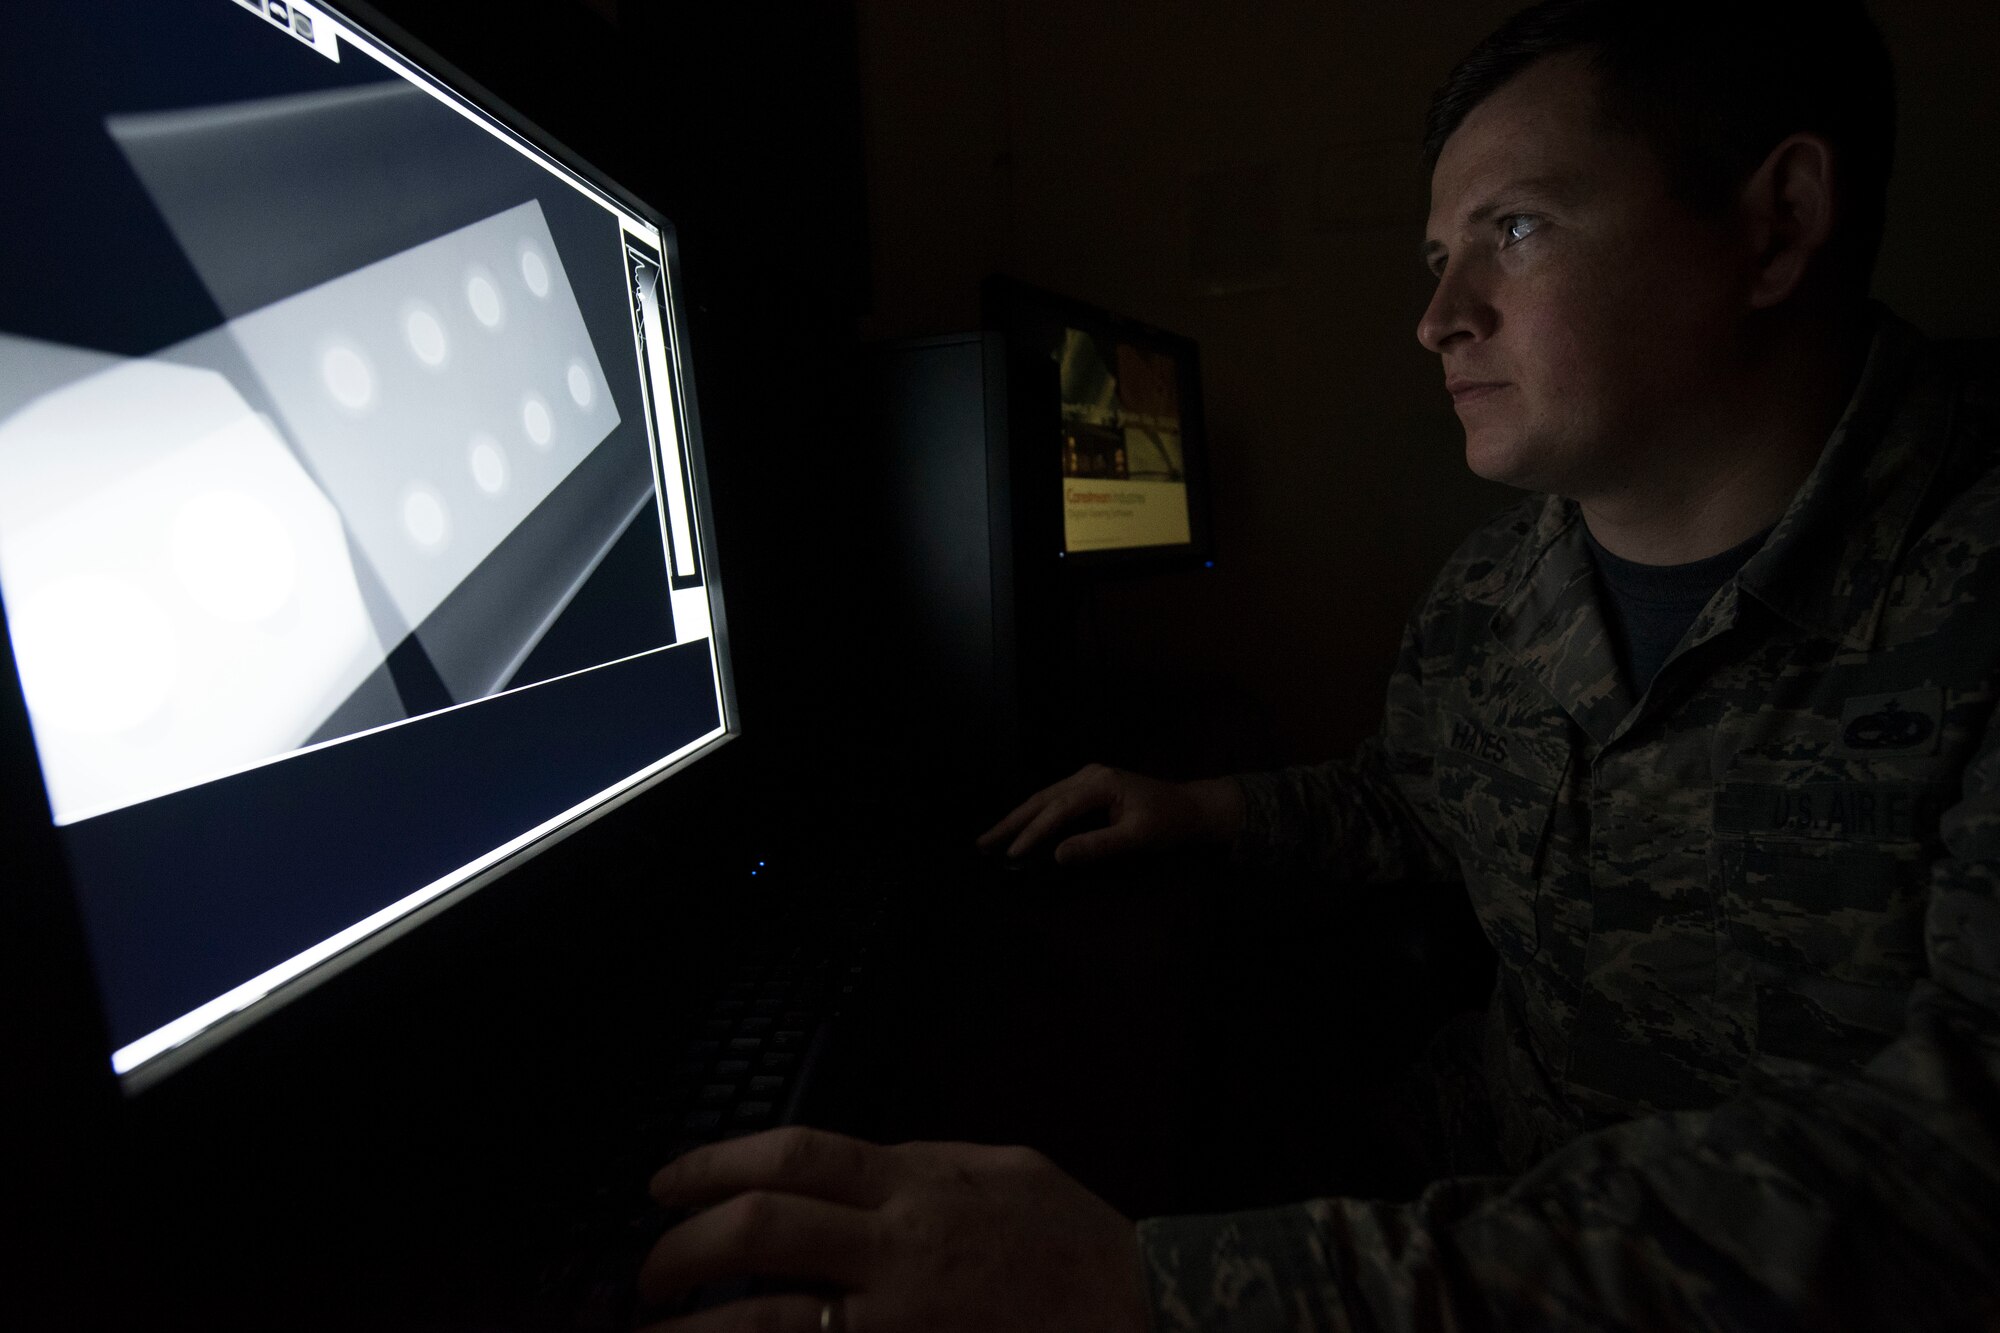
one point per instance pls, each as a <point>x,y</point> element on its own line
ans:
<point>1744,1046</point>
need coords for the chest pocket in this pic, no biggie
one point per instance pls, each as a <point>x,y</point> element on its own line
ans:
<point>1498,822</point>
<point>1822,881</point>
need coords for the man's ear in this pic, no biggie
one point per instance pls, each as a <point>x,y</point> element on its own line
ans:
<point>1788,210</point>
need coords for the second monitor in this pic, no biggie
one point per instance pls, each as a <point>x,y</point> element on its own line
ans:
<point>1123,462</point>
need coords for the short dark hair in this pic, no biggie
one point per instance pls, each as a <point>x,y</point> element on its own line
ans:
<point>1712,86</point>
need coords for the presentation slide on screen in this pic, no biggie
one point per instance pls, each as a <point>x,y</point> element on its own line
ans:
<point>1124,479</point>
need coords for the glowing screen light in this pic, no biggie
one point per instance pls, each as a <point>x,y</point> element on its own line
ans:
<point>97,655</point>
<point>234,556</point>
<point>489,464</point>
<point>180,595</point>
<point>424,516</point>
<point>425,335</point>
<point>484,299</point>
<point>537,422</point>
<point>534,270</point>
<point>347,377</point>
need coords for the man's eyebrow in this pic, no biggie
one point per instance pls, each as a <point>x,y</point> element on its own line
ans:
<point>1556,189</point>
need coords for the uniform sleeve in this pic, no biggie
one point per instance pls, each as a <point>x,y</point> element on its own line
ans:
<point>1865,1200</point>
<point>1371,818</point>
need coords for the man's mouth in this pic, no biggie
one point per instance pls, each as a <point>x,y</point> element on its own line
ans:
<point>1464,391</point>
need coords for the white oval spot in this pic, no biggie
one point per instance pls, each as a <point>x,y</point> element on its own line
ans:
<point>424,517</point>
<point>489,464</point>
<point>97,655</point>
<point>534,271</point>
<point>347,377</point>
<point>425,335</point>
<point>580,386</point>
<point>536,421</point>
<point>484,298</point>
<point>234,556</point>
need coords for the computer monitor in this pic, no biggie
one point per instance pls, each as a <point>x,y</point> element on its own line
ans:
<point>355,545</point>
<point>1113,468</point>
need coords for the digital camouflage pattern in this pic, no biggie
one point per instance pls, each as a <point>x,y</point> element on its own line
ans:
<point>1744,1046</point>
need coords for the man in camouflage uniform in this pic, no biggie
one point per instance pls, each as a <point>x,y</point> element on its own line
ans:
<point>1761,895</point>
<point>1705,731</point>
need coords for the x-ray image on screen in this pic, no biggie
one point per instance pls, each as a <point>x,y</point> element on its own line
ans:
<point>179,591</point>
<point>355,501</point>
<point>438,395</point>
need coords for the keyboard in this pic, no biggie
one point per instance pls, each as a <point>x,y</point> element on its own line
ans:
<point>744,1059</point>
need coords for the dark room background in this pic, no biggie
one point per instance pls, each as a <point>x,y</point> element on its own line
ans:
<point>1247,173</point>
<point>1250,174</point>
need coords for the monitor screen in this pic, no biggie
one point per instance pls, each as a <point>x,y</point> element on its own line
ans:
<point>1124,461</point>
<point>353,536</point>
<point>1126,464</point>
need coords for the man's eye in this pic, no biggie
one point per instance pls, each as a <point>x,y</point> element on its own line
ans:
<point>1519,227</point>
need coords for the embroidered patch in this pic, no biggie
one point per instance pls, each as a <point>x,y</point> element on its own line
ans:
<point>1845,811</point>
<point>1906,722</point>
<point>1469,737</point>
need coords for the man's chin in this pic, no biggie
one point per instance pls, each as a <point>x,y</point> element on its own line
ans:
<point>1496,457</point>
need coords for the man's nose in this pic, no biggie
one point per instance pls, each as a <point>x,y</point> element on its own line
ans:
<point>1457,309</point>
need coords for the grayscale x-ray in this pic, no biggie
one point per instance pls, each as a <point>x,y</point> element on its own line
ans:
<point>211,553</point>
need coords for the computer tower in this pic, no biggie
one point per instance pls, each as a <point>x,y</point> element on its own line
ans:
<point>984,625</point>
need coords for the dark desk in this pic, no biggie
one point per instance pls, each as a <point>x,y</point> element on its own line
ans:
<point>1180,1038</point>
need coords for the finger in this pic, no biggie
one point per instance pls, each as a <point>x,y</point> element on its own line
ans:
<point>1011,824</point>
<point>1064,809</point>
<point>761,1234</point>
<point>759,1314</point>
<point>793,1160</point>
<point>1018,817</point>
<point>1089,777</point>
<point>1083,849</point>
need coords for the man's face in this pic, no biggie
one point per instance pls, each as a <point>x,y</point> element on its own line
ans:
<point>1585,318</point>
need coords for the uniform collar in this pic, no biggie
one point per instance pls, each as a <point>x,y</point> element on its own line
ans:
<point>1551,620</point>
<point>1825,567</point>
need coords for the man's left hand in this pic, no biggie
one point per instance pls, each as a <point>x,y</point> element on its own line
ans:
<point>915,1238</point>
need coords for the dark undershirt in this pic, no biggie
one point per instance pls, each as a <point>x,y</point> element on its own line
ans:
<point>1647,608</point>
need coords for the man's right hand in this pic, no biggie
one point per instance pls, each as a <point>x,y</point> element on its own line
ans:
<point>1138,814</point>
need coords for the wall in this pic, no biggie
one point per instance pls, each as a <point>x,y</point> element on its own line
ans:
<point>1249,174</point>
